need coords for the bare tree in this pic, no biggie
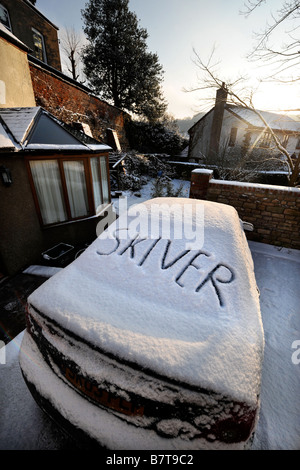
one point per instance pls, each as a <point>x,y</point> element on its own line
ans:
<point>284,57</point>
<point>239,94</point>
<point>71,45</point>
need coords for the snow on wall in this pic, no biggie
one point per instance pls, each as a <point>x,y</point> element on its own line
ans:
<point>273,210</point>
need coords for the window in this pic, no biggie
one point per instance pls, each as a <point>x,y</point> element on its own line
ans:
<point>4,17</point>
<point>284,140</point>
<point>39,46</point>
<point>76,188</point>
<point>232,137</point>
<point>265,140</point>
<point>99,175</point>
<point>67,189</point>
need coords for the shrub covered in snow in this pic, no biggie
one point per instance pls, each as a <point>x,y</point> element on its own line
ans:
<point>163,187</point>
<point>135,169</point>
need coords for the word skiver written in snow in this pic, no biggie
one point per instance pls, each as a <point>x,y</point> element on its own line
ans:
<point>216,275</point>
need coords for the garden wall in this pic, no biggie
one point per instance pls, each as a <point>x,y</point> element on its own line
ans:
<point>273,210</point>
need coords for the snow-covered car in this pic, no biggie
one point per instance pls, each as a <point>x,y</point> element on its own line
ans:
<point>152,338</point>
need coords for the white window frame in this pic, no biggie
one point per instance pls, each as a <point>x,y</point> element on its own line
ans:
<point>265,140</point>
<point>7,12</point>
<point>35,31</point>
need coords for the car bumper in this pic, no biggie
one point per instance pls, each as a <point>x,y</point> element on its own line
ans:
<point>100,420</point>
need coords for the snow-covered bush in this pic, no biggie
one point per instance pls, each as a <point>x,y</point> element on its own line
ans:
<point>163,187</point>
<point>135,170</point>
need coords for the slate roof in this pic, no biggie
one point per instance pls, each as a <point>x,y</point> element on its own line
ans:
<point>5,141</point>
<point>33,128</point>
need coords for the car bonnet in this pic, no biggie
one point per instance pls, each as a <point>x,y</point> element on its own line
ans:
<point>179,300</point>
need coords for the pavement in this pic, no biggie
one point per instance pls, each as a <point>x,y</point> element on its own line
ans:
<point>14,291</point>
<point>13,296</point>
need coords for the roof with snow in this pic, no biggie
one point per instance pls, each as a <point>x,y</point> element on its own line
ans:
<point>275,120</point>
<point>33,128</point>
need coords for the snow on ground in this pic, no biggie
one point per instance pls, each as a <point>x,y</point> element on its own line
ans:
<point>24,426</point>
<point>146,193</point>
<point>277,272</point>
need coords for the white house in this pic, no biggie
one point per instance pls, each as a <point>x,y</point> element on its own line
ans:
<point>229,133</point>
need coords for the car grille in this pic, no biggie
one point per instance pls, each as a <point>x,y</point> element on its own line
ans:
<point>138,396</point>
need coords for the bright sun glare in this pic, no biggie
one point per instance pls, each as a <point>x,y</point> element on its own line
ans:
<point>276,97</point>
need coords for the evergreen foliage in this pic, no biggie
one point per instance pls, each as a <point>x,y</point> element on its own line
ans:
<point>116,61</point>
<point>154,138</point>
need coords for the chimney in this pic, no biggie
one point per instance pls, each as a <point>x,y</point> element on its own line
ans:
<point>221,98</point>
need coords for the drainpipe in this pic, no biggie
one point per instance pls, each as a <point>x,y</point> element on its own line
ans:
<point>214,143</point>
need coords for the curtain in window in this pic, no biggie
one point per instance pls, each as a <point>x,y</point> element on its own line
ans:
<point>48,187</point>
<point>105,187</point>
<point>76,187</point>
<point>96,183</point>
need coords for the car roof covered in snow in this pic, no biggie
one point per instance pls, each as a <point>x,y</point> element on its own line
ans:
<point>178,300</point>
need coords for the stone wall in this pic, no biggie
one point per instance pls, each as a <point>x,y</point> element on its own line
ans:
<point>72,103</point>
<point>274,211</point>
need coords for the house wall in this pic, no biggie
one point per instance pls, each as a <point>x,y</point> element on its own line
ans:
<point>24,17</point>
<point>71,102</point>
<point>273,210</point>
<point>199,145</point>
<point>199,138</point>
<point>292,144</point>
<point>245,143</point>
<point>290,147</point>
<point>15,79</point>
<point>22,239</point>
<point>229,122</point>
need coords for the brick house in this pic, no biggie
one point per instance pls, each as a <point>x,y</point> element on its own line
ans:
<point>65,98</point>
<point>228,134</point>
<point>29,25</point>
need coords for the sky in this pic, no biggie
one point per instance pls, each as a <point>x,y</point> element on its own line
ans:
<point>177,28</point>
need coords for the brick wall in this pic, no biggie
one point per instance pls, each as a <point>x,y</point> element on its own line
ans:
<point>273,210</point>
<point>71,102</point>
